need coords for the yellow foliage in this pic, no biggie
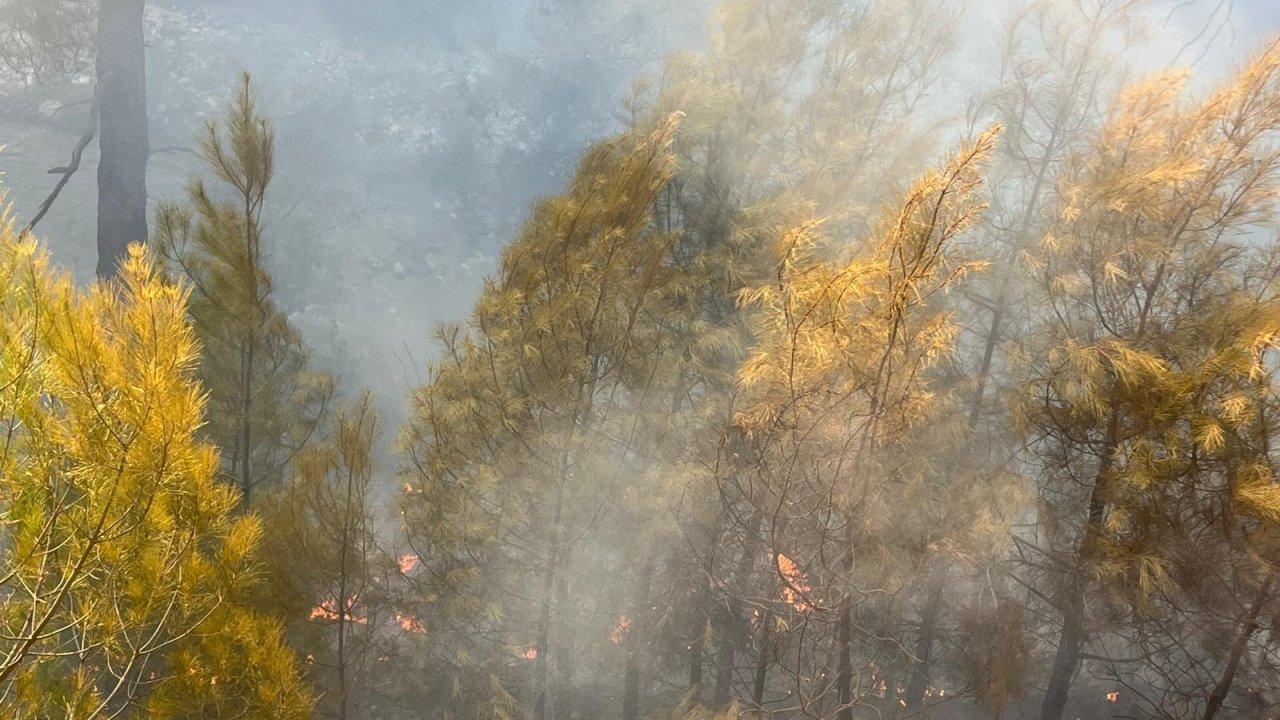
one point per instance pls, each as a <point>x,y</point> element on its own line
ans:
<point>1148,366</point>
<point>122,550</point>
<point>858,332</point>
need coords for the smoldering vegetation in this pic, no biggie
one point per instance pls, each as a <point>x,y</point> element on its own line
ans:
<point>562,360</point>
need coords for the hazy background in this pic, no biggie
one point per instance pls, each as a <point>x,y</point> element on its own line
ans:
<point>414,134</point>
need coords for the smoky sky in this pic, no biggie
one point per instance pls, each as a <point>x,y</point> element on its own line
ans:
<point>413,135</point>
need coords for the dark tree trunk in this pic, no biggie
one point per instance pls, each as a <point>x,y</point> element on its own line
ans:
<point>632,643</point>
<point>732,630</point>
<point>1067,658</point>
<point>988,356</point>
<point>1072,600</point>
<point>122,112</point>
<point>544,706</point>
<point>246,423</point>
<point>342,607</point>
<point>844,634</point>
<point>1238,647</point>
<point>918,683</point>
<point>696,644</point>
<point>700,626</point>
<point>762,665</point>
<point>566,651</point>
<point>726,656</point>
<point>631,686</point>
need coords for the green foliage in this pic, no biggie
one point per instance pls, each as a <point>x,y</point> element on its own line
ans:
<point>519,439</point>
<point>736,425</point>
<point>325,570</point>
<point>264,401</point>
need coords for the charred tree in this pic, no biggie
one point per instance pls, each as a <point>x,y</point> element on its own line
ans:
<point>123,142</point>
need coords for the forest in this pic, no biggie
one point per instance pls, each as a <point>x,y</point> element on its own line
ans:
<point>759,359</point>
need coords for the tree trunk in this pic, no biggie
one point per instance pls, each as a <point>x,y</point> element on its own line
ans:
<point>918,683</point>
<point>544,707</point>
<point>566,650</point>
<point>341,600</point>
<point>732,634</point>
<point>246,422</point>
<point>631,643</point>
<point>631,686</point>
<point>1072,603</point>
<point>696,645</point>
<point>726,651</point>
<point>988,355</point>
<point>762,665</point>
<point>702,627</point>
<point>122,112</point>
<point>1238,647</point>
<point>844,634</point>
<point>1067,658</point>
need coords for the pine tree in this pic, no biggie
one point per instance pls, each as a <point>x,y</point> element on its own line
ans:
<point>759,151</point>
<point>327,573</point>
<point>1143,317</point>
<point>837,381</point>
<point>265,403</point>
<point>44,40</point>
<point>518,440</point>
<point>122,552</point>
<point>1058,64</point>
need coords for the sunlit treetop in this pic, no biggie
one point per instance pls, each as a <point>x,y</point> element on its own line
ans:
<point>122,549</point>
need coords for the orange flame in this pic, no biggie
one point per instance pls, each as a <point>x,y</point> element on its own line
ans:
<point>530,654</point>
<point>1113,696</point>
<point>407,562</point>
<point>409,623</point>
<point>328,610</point>
<point>796,586</point>
<point>621,630</point>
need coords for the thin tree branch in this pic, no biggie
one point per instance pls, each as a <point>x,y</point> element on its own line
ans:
<point>68,170</point>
